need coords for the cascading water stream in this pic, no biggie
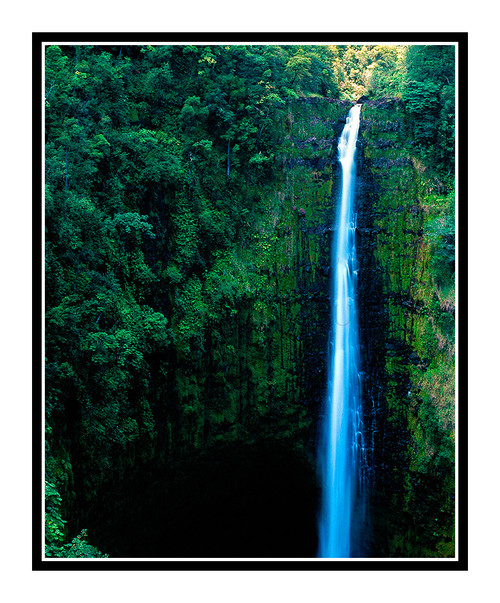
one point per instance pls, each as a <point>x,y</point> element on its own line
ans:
<point>342,445</point>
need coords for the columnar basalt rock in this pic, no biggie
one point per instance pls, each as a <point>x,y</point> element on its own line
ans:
<point>398,301</point>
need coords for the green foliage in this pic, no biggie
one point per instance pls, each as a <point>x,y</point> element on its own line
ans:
<point>79,547</point>
<point>431,63</point>
<point>298,68</point>
<point>422,103</point>
<point>186,229</point>
<point>421,97</point>
<point>387,72</point>
<point>55,531</point>
<point>440,232</point>
<point>189,318</point>
<point>373,71</point>
<point>429,96</point>
<point>54,524</point>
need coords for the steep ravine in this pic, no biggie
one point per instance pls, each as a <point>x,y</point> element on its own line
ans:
<point>234,468</point>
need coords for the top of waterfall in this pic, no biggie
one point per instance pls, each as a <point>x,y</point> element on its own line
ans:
<point>347,140</point>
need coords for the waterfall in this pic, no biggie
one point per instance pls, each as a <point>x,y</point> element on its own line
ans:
<point>342,446</point>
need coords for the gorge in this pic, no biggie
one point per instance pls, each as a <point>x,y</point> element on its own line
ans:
<point>189,201</point>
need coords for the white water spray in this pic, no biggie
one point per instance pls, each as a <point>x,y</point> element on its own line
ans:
<point>342,438</point>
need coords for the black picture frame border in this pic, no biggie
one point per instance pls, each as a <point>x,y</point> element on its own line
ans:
<point>461,562</point>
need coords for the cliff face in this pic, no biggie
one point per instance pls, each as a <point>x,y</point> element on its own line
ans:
<point>407,330</point>
<point>237,424</point>
<point>263,373</point>
<point>406,306</point>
